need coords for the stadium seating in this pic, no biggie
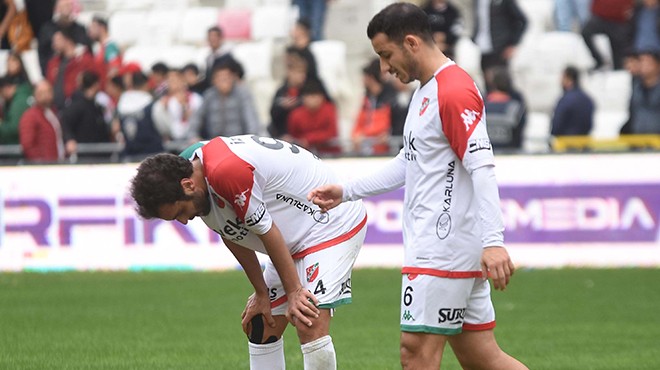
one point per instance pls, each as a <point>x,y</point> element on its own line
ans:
<point>127,26</point>
<point>196,21</point>
<point>235,23</point>
<point>272,21</point>
<point>163,27</point>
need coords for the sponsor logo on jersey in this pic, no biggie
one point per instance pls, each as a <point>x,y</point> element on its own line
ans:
<point>475,145</point>
<point>255,217</point>
<point>312,272</point>
<point>240,199</point>
<point>409,147</point>
<point>443,226</point>
<point>233,230</point>
<point>424,106</point>
<point>454,316</point>
<point>219,202</point>
<point>407,316</point>
<point>316,214</point>
<point>469,117</point>
<point>449,187</point>
<point>345,287</point>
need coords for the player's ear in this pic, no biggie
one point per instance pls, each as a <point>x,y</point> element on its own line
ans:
<point>410,42</point>
<point>187,185</point>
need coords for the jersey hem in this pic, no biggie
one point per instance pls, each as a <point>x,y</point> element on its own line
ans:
<point>441,273</point>
<point>430,330</point>
<point>479,327</point>
<point>331,242</point>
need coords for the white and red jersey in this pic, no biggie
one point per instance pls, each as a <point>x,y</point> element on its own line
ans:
<point>255,182</point>
<point>445,141</point>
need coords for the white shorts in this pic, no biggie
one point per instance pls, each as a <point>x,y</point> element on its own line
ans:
<point>326,273</point>
<point>445,306</point>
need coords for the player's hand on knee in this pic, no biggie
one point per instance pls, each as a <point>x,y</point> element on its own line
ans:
<point>302,305</point>
<point>257,304</point>
<point>496,264</point>
<point>326,197</point>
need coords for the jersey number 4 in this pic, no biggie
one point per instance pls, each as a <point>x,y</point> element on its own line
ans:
<point>320,289</point>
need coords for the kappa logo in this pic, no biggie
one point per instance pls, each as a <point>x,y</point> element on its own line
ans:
<point>425,105</point>
<point>312,272</point>
<point>241,198</point>
<point>407,316</point>
<point>469,117</point>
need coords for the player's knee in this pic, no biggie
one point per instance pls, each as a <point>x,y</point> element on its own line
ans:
<point>257,330</point>
<point>408,354</point>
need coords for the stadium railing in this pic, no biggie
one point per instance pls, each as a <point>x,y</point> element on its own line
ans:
<point>562,144</point>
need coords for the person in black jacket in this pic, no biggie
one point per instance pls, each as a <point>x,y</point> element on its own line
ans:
<point>83,120</point>
<point>499,26</point>
<point>446,25</point>
<point>574,112</point>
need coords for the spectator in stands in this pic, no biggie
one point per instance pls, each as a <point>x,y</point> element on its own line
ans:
<point>371,132</point>
<point>313,125</point>
<point>612,18</point>
<point>126,71</point>
<point>446,24</point>
<point>646,23</point>
<point>83,120</point>
<point>228,107</point>
<point>219,53</point>
<point>7,14</point>
<point>16,68</point>
<point>314,11</point>
<point>66,65</point>
<point>499,27</point>
<point>63,20</point>
<point>193,79</point>
<point>16,96</point>
<point>505,112</point>
<point>134,111</point>
<point>645,99</point>
<point>40,130</point>
<point>158,79</point>
<point>287,97</point>
<point>399,105</point>
<point>109,97</point>
<point>172,112</point>
<point>575,110</point>
<point>301,38</point>
<point>571,14</point>
<point>108,54</point>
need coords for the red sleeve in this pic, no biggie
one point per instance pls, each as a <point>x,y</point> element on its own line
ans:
<point>292,124</point>
<point>461,108</point>
<point>51,69</point>
<point>27,133</point>
<point>328,128</point>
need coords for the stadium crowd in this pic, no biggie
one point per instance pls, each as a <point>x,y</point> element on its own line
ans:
<point>89,95</point>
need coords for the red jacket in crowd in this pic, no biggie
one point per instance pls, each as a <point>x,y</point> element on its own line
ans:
<point>374,122</point>
<point>619,11</point>
<point>77,65</point>
<point>39,136</point>
<point>317,128</point>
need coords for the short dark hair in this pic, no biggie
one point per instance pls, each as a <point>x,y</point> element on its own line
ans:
<point>190,67</point>
<point>67,33</point>
<point>373,70</point>
<point>7,80</point>
<point>312,86</point>
<point>305,24</point>
<point>398,20</point>
<point>215,29</point>
<point>88,79</point>
<point>572,74</point>
<point>502,79</point>
<point>158,182</point>
<point>118,81</point>
<point>101,21</point>
<point>229,63</point>
<point>139,79</point>
<point>160,67</point>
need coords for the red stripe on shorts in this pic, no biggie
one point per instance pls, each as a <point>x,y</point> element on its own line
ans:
<point>479,327</point>
<point>442,273</point>
<point>278,302</point>
<point>331,242</point>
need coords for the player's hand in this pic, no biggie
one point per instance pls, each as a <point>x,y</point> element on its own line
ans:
<point>326,197</point>
<point>302,306</point>
<point>496,263</point>
<point>257,304</point>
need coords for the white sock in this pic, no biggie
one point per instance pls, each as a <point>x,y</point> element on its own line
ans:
<point>319,354</point>
<point>267,356</point>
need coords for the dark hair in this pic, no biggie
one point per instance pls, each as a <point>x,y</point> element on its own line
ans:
<point>312,86</point>
<point>160,67</point>
<point>190,67</point>
<point>88,79</point>
<point>158,182</point>
<point>67,33</point>
<point>22,75</point>
<point>501,79</point>
<point>139,79</point>
<point>6,81</point>
<point>373,70</point>
<point>118,81</point>
<point>215,29</point>
<point>101,21</point>
<point>305,24</point>
<point>572,74</point>
<point>231,64</point>
<point>398,20</point>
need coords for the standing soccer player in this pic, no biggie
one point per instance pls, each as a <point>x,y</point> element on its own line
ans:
<point>252,192</point>
<point>452,228</point>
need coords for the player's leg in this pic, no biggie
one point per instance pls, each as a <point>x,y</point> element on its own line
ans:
<point>476,347</point>
<point>421,350</point>
<point>479,350</point>
<point>327,274</point>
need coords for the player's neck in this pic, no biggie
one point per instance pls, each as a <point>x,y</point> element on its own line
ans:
<point>430,63</point>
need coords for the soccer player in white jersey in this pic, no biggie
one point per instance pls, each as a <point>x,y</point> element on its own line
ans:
<point>252,191</point>
<point>452,224</point>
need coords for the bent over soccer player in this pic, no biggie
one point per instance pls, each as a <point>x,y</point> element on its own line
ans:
<point>452,228</point>
<point>252,191</point>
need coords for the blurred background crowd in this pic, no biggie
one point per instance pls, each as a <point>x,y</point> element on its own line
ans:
<point>116,80</point>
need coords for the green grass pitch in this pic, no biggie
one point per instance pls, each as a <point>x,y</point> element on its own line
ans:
<point>549,319</point>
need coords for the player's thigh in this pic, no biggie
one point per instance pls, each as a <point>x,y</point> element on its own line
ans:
<point>474,349</point>
<point>320,327</point>
<point>422,350</point>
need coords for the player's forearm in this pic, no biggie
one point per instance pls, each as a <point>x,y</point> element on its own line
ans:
<point>488,199</point>
<point>280,256</point>
<point>250,264</point>
<point>391,176</point>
